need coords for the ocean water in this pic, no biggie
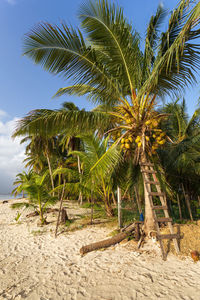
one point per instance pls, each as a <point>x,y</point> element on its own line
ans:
<point>9,196</point>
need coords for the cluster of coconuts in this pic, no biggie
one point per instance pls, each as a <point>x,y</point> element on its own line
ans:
<point>157,137</point>
<point>126,143</point>
<point>129,120</point>
<point>115,136</point>
<point>159,140</point>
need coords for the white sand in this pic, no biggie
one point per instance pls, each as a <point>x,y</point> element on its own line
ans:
<point>42,267</point>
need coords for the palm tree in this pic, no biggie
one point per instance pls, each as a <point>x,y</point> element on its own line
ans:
<point>72,142</point>
<point>97,169</point>
<point>36,189</point>
<point>181,157</point>
<point>21,179</point>
<point>40,147</point>
<point>109,66</point>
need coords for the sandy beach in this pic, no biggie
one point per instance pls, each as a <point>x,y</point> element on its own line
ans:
<point>34,265</point>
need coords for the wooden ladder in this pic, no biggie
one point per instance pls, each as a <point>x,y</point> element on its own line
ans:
<point>150,180</point>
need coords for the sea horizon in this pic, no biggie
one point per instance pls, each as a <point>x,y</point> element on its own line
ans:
<point>9,196</point>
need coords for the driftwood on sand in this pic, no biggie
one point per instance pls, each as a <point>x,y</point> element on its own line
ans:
<point>36,213</point>
<point>109,242</point>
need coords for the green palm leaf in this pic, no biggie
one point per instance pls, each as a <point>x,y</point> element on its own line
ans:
<point>62,50</point>
<point>52,122</point>
<point>178,56</point>
<point>110,33</point>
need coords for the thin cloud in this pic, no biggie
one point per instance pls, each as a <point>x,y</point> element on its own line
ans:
<point>10,1</point>
<point>3,113</point>
<point>11,156</point>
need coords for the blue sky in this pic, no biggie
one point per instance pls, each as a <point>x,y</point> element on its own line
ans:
<point>25,86</point>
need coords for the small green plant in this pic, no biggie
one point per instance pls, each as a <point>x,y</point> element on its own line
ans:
<point>38,196</point>
<point>18,216</point>
<point>68,223</point>
<point>36,232</point>
<point>96,206</point>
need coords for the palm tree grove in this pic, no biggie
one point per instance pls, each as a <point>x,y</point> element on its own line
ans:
<point>132,161</point>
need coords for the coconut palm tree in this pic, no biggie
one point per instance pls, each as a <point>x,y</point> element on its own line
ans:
<point>181,157</point>
<point>36,189</point>
<point>40,147</point>
<point>21,179</point>
<point>106,63</point>
<point>97,172</point>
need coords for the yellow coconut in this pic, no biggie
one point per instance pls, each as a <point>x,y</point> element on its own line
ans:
<point>148,122</point>
<point>130,139</point>
<point>138,138</point>
<point>139,144</point>
<point>127,146</point>
<point>155,123</point>
<point>162,142</point>
<point>126,140</point>
<point>122,141</point>
<point>147,138</point>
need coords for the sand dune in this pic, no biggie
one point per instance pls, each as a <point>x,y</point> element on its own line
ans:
<point>41,267</point>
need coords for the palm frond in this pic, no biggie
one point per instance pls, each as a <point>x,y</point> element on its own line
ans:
<point>51,122</point>
<point>62,50</point>
<point>108,161</point>
<point>109,32</point>
<point>179,57</point>
<point>151,40</point>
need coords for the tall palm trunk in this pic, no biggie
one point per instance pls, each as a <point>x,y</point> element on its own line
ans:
<point>60,208</point>
<point>119,199</point>
<point>50,171</point>
<point>199,200</point>
<point>114,200</point>
<point>109,210</point>
<point>137,199</point>
<point>179,207</point>
<point>187,200</point>
<point>80,199</point>
<point>149,219</point>
<point>40,209</point>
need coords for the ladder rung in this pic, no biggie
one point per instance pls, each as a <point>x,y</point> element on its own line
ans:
<point>148,171</point>
<point>164,220</point>
<point>168,236</point>
<point>156,194</point>
<point>147,164</point>
<point>152,182</point>
<point>159,207</point>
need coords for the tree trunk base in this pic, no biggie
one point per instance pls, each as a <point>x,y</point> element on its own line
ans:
<point>64,216</point>
<point>108,242</point>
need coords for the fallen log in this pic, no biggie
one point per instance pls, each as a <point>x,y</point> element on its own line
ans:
<point>49,210</point>
<point>33,214</point>
<point>36,213</point>
<point>108,242</point>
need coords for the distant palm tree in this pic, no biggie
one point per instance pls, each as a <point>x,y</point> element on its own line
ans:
<point>21,179</point>
<point>181,157</point>
<point>98,169</point>
<point>35,187</point>
<point>109,66</point>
